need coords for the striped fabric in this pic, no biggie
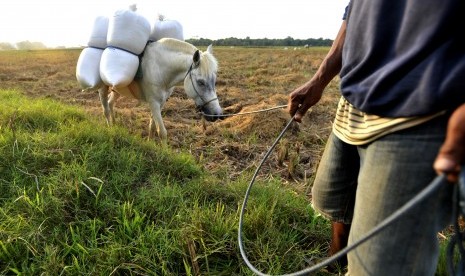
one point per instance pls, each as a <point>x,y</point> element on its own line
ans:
<point>358,128</point>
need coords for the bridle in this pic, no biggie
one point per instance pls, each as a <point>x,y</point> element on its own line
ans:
<point>204,102</point>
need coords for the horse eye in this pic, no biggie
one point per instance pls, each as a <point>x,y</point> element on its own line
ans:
<point>200,82</point>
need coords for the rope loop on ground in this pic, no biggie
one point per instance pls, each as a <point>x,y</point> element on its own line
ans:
<point>426,192</point>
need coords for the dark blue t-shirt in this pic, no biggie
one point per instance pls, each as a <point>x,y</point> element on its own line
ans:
<point>346,11</point>
<point>404,57</point>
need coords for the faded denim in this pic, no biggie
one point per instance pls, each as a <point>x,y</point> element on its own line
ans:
<point>391,171</point>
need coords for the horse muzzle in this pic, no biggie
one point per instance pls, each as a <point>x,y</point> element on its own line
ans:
<point>210,112</point>
<point>211,117</point>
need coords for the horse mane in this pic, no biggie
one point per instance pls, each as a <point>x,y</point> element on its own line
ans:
<point>177,45</point>
<point>208,63</point>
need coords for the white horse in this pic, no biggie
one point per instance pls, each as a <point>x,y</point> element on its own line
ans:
<point>166,63</point>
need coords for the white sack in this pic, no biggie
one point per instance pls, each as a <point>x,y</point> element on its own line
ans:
<point>98,37</point>
<point>118,67</point>
<point>88,68</point>
<point>166,28</point>
<point>128,30</point>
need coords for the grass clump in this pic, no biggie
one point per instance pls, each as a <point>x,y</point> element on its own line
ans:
<point>81,198</point>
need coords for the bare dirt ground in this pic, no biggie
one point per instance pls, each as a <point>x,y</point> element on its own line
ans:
<point>249,79</point>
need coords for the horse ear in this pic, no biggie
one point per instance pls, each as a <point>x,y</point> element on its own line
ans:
<point>210,49</point>
<point>196,58</point>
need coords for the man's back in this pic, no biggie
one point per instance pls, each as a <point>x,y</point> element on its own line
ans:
<point>404,58</point>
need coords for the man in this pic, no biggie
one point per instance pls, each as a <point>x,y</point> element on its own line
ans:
<point>402,76</point>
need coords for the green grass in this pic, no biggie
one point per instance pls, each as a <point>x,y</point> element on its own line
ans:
<point>79,198</point>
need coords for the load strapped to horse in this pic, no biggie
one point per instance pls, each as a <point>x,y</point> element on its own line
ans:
<point>128,56</point>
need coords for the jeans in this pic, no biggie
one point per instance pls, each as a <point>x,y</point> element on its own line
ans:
<point>363,185</point>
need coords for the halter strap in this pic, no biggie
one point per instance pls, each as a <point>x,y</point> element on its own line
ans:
<point>189,70</point>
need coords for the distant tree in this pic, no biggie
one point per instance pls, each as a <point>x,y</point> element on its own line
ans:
<point>289,41</point>
<point>6,46</point>
<point>28,45</point>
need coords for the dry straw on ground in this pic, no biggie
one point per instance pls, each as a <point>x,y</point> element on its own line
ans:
<point>249,79</point>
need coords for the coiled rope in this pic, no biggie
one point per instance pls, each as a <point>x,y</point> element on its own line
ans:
<point>458,204</point>
<point>426,192</point>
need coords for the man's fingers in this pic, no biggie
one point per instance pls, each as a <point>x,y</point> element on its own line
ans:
<point>300,113</point>
<point>298,117</point>
<point>452,153</point>
<point>292,109</point>
<point>447,166</point>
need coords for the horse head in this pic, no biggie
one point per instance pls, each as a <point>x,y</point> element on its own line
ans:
<point>200,81</point>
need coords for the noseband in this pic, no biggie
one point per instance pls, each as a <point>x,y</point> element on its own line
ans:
<point>204,103</point>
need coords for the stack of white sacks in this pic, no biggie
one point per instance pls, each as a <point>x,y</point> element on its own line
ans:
<point>112,55</point>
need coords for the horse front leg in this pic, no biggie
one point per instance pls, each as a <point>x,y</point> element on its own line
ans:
<point>156,122</point>
<point>103,95</point>
<point>153,129</point>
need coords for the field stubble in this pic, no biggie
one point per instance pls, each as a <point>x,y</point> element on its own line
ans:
<point>248,79</point>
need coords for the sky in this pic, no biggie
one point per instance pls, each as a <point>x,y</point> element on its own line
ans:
<point>69,22</point>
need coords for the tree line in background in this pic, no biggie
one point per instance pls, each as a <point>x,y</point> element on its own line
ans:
<point>262,42</point>
<point>232,41</point>
<point>23,45</point>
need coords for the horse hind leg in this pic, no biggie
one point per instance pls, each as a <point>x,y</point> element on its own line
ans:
<point>103,95</point>
<point>107,101</point>
<point>111,103</point>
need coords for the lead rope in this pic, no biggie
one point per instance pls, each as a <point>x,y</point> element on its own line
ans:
<point>246,113</point>
<point>427,191</point>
